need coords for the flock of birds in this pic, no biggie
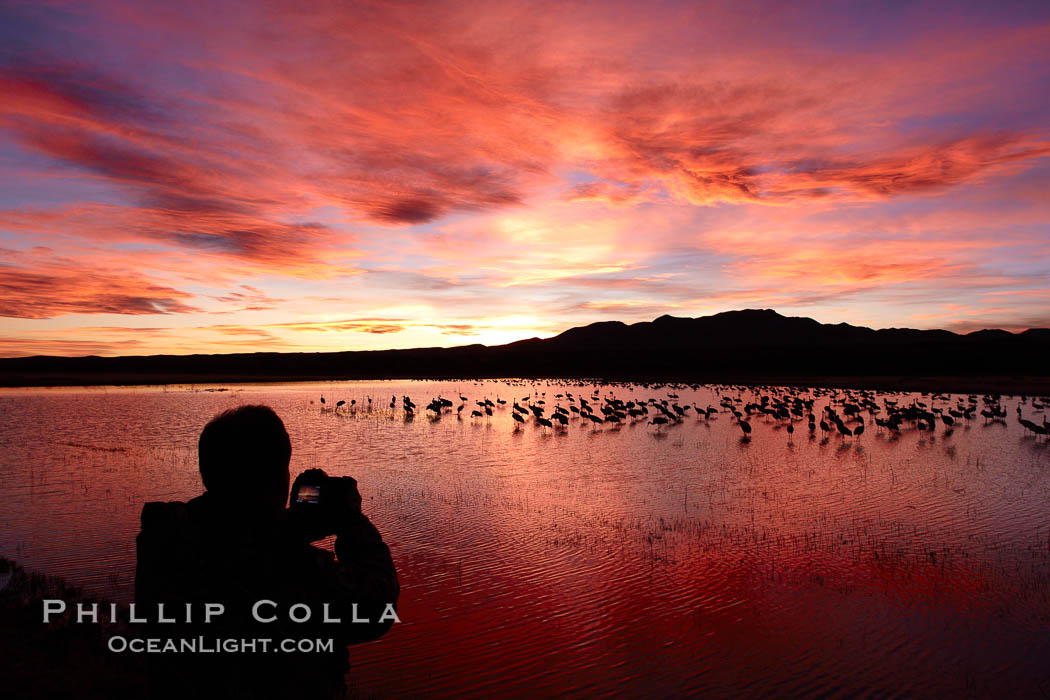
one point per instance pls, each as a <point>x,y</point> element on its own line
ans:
<point>843,411</point>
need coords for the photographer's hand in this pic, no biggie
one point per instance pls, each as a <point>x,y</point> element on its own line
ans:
<point>348,510</point>
<point>366,570</point>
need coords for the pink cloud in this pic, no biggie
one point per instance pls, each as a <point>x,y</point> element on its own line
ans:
<point>432,161</point>
<point>60,288</point>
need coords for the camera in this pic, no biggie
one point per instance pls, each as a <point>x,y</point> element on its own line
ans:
<point>315,488</point>
<point>322,505</point>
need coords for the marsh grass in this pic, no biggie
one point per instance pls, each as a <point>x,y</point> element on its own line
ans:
<point>60,659</point>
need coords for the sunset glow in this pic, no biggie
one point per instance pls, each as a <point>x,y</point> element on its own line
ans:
<point>231,177</point>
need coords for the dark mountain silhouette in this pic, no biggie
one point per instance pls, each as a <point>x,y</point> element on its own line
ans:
<point>749,345</point>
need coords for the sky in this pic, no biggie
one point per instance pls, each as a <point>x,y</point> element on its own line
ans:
<point>202,177</point>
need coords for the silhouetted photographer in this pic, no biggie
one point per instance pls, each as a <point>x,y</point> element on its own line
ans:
<point>235,564</point>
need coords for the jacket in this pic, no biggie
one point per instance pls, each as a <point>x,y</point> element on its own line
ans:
<point>196,553</point>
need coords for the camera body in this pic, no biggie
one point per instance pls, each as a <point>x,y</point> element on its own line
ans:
<point>321,490</point>
<point>321,505</point>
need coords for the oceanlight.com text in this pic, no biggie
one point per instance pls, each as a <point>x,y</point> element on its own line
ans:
<point>214,645</point>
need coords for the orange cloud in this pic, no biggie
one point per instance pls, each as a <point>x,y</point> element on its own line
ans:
<point>443,170</point>
<point>67,288</point>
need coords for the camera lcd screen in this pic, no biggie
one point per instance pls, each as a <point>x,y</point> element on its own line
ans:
<point>308,493</point>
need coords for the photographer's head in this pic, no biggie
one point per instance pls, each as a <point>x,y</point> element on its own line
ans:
<point>244,454</point>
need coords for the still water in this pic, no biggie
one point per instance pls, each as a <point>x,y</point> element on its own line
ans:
<point>633,560</point>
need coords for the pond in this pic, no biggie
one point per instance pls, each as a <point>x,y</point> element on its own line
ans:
<point>601,558</point>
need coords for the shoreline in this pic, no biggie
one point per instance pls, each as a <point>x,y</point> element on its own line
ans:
<point>990,384</point>
<point>59,659</point>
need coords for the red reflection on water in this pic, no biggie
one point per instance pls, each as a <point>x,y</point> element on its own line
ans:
<point>635,560</point>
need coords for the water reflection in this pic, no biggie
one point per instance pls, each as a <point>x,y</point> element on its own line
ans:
<point>636,559</point>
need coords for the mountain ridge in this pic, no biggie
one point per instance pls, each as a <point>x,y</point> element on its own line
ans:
<point>746,323</point>
<point>732,345</point>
